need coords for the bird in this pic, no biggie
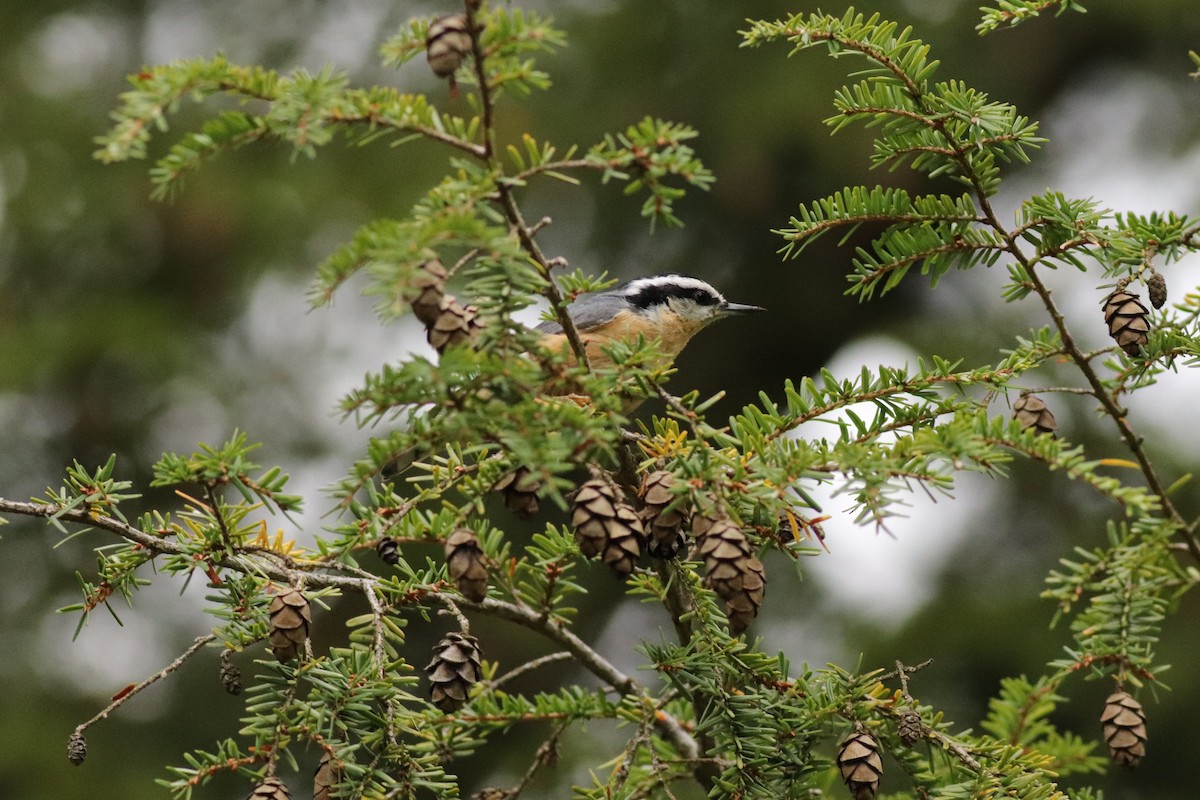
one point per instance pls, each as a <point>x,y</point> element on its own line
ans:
<point>668,309</point>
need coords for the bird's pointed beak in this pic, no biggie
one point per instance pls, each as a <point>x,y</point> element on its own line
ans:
<point>740,308</point>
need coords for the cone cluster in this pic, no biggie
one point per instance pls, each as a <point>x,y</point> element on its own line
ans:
<point>447,43</point>
<point>231,676</point>
<point>731,569</point>
<point>291,617</point>
<point>326,778</point>
<point>520,489</point>
<point>428,289</point>
<point>664,529</point>
<point>1156,289</point>
<point>1124,724</point>
<point>388,550</point>
<point>1031,411</point>
<point>860,764</point>
<point>453,671</point>
<point>466,564</point>
<point>271,789</point>
<point>606,526</point>
<point>1127,321</point>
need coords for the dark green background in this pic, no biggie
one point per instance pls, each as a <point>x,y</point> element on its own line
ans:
<point>132,327</point>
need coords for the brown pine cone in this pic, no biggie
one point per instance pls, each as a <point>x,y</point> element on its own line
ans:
<point>230,675</point>
<point>1124,724</point>
<point>326,778</point>
<point>271,789</point>
<point>606,526</point>
<point>731,568</point>
<point>1031,411</point>
<point>910,728</point>
<point>76,748</point>
<point>664,529</point>
<point>453,671</point>
<point>466,565</point>
<point>1156,288</point>
<point>455,325</point>
<point>1127,321</point>
<point>427,287</point>
<point>291,617</point>
<point>447,43</point>
<point>860,764</point>
<point>520,489</point>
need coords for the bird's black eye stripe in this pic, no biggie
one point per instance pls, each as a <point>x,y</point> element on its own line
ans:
<point>647,295</point>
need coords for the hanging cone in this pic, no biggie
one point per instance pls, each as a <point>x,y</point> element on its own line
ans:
<point>520,489</point>
<point>664,529</point>
<point>861,767</point>
<point>453,671</point>
<point>1124,724</point>
<point>1127,321</point>
<point>447,43</point>
<point>230,675</point>
<point>455,325</point>
<point>731,569</point>
<point>270,789</point>
<point>326,778</point>
<point>76,748</point>
<point>606,526</point>
<point>466,565</point>
<point>427,287</point>
<point>1156,288</point>
<point>1031,411</point>
<point>291,618</point>
<point>910,728</point>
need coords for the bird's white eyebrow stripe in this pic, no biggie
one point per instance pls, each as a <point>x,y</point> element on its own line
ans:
<point>640,285</point>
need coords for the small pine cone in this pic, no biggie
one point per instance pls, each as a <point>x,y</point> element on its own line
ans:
<point>1031,411</point>
<point>231,676</point>
<point>606,526</point>
<point>860,765</point>
<point>326,778</point>
<point>466,564</point>
<point>291,617</point>
<point>76,748</point>
<point>453,670</point>
<point>271,789</point>
<point>520,489</point>
<point>388,550</point>
<point>731,569</point>
<point>664,529</point>
<point>910,728</point>
<point>1124,723</point>
<point>1127,322</point>
<point>455,325</point>
<point>1156,288</point>
<point>447,43</point>
<point>427,288</point>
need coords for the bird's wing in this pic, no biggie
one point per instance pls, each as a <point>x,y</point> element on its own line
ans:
<point>588,313</point>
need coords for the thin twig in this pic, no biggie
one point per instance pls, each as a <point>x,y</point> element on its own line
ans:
<point>595,663</point>
<point>529,666</point>
<point>155,678</point>
<point>547,753</point>
<point>525,233</point>
<point>452,608</point>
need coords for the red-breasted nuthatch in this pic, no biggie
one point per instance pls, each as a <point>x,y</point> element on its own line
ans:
<point>668,309</point>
